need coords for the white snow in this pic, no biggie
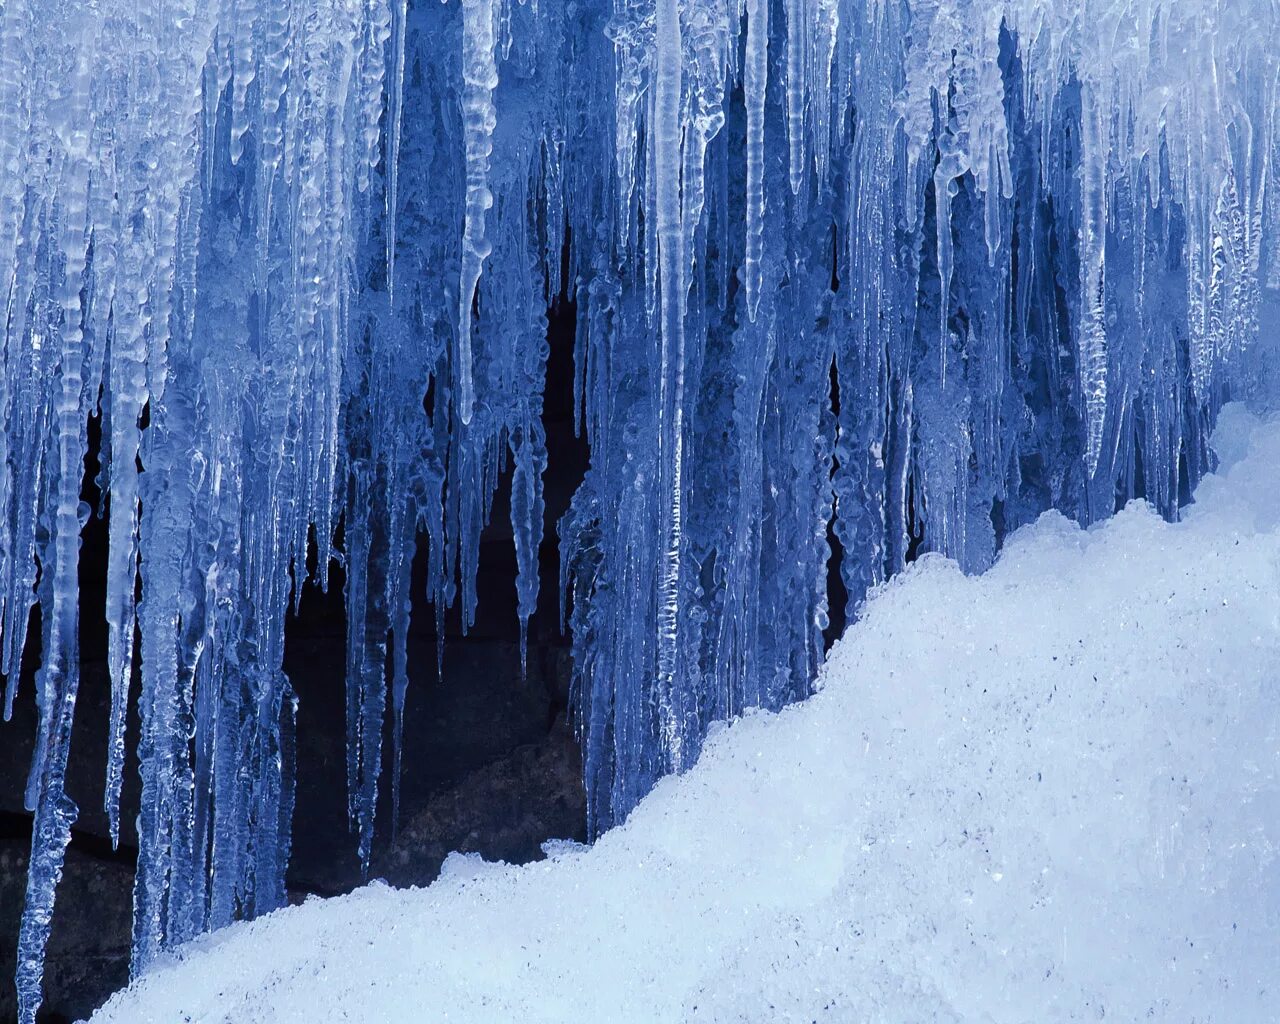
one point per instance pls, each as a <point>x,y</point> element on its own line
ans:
<point>1048,793</point>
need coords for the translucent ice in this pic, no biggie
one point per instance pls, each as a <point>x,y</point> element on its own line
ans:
<point>912,273</point>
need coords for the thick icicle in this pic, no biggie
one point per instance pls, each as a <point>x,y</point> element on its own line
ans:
<point>59,677</point>
<point>480,77</point>
<point>797,72</point>
<point>755,84</point>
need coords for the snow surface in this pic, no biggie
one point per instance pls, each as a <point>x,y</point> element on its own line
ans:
<point>1047,793</point>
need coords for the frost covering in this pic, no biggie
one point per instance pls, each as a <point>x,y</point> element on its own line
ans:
<point>1031,795</point>
<point>925,268</point>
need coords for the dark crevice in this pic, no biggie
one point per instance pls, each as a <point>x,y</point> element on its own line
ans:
<point>490,762</point>
<point>16,827</point>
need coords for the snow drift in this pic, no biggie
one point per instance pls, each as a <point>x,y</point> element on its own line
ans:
<point>1046,793</point>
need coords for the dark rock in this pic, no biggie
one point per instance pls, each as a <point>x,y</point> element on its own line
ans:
<point>503,811</point>
<point>88,955</point>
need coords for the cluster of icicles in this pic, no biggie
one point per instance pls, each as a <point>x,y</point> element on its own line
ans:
<point>920,268</point>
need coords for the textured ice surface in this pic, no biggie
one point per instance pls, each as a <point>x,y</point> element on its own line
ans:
<point>298,256</point>
<point>1046,793</point>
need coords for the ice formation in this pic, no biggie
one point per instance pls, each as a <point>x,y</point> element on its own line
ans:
<point>1029,795</point>
<point>298,257</point>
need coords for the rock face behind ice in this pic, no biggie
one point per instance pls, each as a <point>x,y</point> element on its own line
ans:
<point>1047,793</point>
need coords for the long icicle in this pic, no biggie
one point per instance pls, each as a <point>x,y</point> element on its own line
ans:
<point>480,78</point>
<point>666,143</point>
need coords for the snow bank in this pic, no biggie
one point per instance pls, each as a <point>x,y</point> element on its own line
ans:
<point>1048,793</point>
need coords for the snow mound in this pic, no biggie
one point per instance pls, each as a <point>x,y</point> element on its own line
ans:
<point>1047,793</point>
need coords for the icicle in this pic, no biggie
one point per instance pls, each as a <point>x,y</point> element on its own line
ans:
<point>243,43</point>
<point>627,30</point>
<point>59,677</point>
<point>15,43</point>
<point>393,150</point>
<point>944,190</point>
<point>398,581</point>
<point>707,32</point>
<point>821,104</point>
<point>372,79</point>
<point>668,77</point>
<point>797,65</point>
<point>128,391</point>
<point>1093,315</point>
<point>755,83</point>
<point>480,78</point>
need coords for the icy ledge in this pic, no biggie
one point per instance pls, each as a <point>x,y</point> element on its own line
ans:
<point>1048,793</point>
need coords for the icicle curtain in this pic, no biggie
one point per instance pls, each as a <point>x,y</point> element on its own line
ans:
<point>918,268</point>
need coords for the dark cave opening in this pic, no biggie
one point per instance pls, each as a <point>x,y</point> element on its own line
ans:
<point>491,762</point>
